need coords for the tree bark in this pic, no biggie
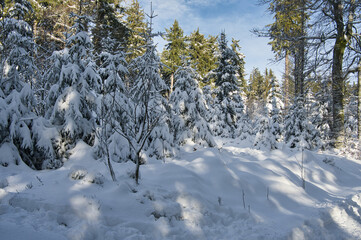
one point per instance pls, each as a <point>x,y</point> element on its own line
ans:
<point>343,34</point>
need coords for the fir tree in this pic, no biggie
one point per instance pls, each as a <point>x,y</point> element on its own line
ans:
<point>150,104</point>
<point>321,113</point>
<point>269,125</point>
<point>264,136</point>
<point>190,109</point>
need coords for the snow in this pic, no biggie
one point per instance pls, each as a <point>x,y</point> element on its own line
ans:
<point>230,192</point>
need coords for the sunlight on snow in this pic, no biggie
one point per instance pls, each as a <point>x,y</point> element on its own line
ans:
<point>85,208</point>
<point>15,185</point>
<point>191,210</point>
<point>199,166</point>
<point>2,194</point>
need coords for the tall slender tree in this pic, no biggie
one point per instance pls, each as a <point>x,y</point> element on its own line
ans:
<point>226,87</point>
<point>135,22</point>
<point>202,53</point>
<point>174,51</point>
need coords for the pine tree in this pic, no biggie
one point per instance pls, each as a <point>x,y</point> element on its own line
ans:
<point>190,109</point>
<point>174,51</point>
<point>78,84</point>
<point>202,53</point>
<point>21,131</point>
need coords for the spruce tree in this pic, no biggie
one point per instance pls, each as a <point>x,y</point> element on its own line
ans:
<point>239,61</point>
<point>190,109</point>
<point>226,82</point>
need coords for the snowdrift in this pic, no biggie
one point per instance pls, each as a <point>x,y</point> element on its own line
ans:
<point>229,192</point>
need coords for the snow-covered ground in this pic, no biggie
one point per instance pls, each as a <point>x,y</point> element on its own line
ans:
<point>229,192</point>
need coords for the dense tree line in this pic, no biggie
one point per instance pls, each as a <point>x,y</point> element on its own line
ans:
<point>322,38</point>
<point>103,82</point>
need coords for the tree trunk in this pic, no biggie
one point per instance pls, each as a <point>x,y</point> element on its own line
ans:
<point>287,78</point>
<point>300,57</point>
<point>112,174</point>
<point>137,168</point>
<point>171,83</point>
<point>359,103</point>
<point>338,93</point>
<point>338,84</point>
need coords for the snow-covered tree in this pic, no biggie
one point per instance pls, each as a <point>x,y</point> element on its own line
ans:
<point>275,111</point>
<point>264,136</point>
<point>113,107</point>
<point>190,109</point>
<point>209,100</point>
<point>23,133</point>
<point>74,109</point>
<point>150,105</point>
<point>227,88</point>
<point>299,131</point>
<point>149,128</point>
<point>269,126</point>
<point>321,113</point>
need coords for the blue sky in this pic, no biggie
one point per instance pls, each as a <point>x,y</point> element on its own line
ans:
<point>236,17</point>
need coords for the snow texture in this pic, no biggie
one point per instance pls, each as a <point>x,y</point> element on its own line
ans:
<point>230,192</point>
